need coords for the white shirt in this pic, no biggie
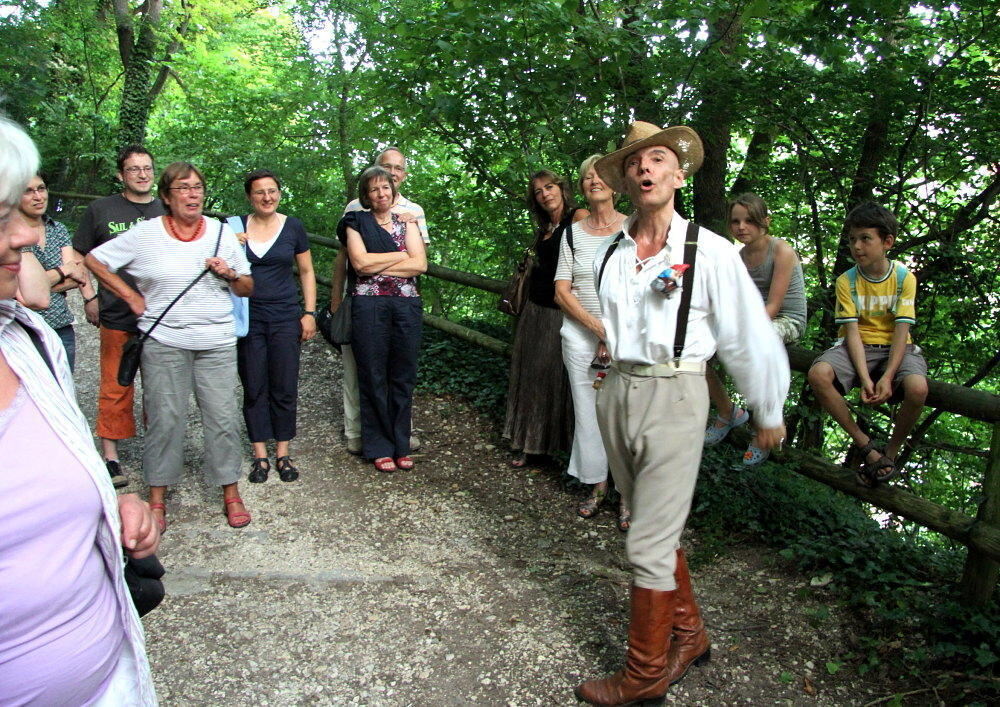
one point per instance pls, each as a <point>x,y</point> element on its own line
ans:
<point>576,264</point>
<point>163,266</point>
<point>56,399</point>
<point>402,205</point>
<point>727,315</point>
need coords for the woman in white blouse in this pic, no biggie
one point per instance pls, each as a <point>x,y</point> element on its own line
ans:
<point>583,333</point>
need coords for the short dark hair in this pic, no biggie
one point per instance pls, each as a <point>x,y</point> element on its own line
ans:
<point>872,215</point>
<point>175,170</point>
<point>127,152</point>
<point>540,215</point>
<point>369,176</point>
<point>259,174</point>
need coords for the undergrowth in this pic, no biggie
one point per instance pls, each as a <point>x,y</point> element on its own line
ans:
<point>904,587</point>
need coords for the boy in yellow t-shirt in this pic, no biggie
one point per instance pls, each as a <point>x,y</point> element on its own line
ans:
<point>875,309</point>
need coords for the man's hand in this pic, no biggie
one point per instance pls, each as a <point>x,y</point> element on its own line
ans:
<point>140,535</point>
<point>867,391</point>
<point>772,437</point>
<point>92,312</point>
<point>883,391</point>
<point>405,216</point>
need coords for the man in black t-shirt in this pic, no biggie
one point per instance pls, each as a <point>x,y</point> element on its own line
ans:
<point>103,220</point>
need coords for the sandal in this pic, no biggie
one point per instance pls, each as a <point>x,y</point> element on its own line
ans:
<point>869,474</point>
<point>755,455</point>
<point>520,460</point>
<point>237,519</point>
<point>258,470</point>
<point>404,463</point>
<point>161,523</point>
<point>718,430</point>
<point>286,472</point>
<point>385,464</point>
<point>589,506</point>
<point>624,518</point>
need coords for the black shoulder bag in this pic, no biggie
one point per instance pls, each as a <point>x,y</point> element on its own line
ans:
<point>128,366</point>
<point>142,577</point>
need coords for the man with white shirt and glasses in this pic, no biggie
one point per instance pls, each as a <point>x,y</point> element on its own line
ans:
<point>672,295</point>
<point>393,161</point>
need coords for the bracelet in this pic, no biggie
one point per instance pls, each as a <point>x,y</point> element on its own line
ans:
<point>62,275</point>
<point>310,312</point>
<point>88,300</point>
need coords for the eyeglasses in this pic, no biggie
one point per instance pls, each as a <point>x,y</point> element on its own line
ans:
<point>40,190</point>
<point>189,188</point>
<point>136,170</point>
<point>266,192</point>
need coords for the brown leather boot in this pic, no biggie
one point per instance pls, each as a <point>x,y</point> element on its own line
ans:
<point>643,681</point>
<point>689,644</point>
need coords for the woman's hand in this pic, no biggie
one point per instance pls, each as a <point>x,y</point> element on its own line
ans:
<point>137,303</point>
<point>242,237</point>
<point>602,354</point>
<point>308,326</point>
<point>220,268</point>
<point>140,534</point>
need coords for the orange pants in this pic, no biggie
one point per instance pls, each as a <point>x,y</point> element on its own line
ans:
<point>114,403</point>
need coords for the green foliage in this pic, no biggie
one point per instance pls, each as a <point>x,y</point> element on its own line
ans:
<point>449,366</point>
<point>900,585</point>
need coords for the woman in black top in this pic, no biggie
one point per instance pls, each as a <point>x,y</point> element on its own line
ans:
<point>539,406</point>
<point>268,356</point>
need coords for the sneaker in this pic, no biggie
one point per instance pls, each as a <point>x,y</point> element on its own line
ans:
<point>718,430</point>
<point>414,443</point>
<point>118,479</point>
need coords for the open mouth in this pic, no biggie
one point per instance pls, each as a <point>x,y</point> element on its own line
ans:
<point>646,183</point>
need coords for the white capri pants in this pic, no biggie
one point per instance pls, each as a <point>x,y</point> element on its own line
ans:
<point>588,461</point>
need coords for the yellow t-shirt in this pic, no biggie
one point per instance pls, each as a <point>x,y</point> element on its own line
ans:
<point>876,305</point>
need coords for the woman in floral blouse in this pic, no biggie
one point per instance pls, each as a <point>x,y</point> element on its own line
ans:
<point>385,257</point>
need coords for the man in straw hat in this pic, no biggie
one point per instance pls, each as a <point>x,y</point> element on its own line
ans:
<point>664,321</point>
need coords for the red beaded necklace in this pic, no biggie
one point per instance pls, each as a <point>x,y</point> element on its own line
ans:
<point>174,233</point>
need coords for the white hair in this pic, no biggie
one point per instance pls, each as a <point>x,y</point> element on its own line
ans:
<point>18,161</point>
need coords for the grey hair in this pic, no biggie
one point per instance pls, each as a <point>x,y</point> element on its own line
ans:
<point>18,161</point>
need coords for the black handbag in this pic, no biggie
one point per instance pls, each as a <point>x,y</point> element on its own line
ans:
<point>516,294</point>
<point>143,578</point>
<point>128,366</point>
<point>335,327</point>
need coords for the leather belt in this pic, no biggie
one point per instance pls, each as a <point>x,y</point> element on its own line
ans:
<point>660,370</point>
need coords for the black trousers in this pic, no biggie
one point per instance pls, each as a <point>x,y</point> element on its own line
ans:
<point>385,339</point>
<point>268,362</point>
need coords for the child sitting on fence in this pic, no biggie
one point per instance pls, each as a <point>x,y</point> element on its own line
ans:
<point>875,310</point>
<point>777,272</point>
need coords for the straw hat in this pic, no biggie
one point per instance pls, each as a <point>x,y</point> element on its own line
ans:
<point>684,142</point>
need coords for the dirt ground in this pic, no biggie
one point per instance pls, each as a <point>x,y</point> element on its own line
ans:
<point>461,582</point>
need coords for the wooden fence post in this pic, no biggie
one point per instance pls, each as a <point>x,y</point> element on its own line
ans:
<point>979,578</point>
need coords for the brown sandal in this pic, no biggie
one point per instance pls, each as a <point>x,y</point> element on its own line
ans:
<point>869,474</point>
<point>591,504</point>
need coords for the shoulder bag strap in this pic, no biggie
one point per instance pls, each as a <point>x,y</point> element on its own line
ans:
<point>690,255</point>
<point>607,256</point>
<point>143,335</point>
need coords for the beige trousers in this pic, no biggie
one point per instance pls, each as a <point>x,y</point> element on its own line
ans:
<point>654,430</point>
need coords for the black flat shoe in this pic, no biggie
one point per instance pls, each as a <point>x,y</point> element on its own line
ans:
<point>286,472</point>
<point>259,470</point>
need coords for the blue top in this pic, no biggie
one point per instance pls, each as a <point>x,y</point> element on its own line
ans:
<point>275,295</point>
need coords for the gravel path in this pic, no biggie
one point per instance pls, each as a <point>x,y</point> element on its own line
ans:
<point>461,582</point>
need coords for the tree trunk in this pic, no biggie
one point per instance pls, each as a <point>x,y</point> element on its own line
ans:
<point>137,60</point>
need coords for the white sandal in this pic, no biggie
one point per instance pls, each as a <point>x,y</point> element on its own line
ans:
<point>716,433</point>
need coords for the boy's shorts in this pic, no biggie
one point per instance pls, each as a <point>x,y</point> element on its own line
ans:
<point>788,330</point>
<point>876,356</point>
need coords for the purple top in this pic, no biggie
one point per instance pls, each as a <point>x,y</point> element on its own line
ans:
<point>389,285</point>
<point>60,631</point>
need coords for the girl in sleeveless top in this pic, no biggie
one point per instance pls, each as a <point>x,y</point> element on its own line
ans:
<point>775,269</point>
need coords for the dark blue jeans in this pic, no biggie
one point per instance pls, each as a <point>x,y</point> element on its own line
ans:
<point>385,338</point>
<point>68,337</point>
<point>267,359</point>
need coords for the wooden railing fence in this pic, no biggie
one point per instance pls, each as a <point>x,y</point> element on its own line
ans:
<point>981,534</point>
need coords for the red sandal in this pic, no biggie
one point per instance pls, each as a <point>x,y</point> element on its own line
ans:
<point>237,519</point>
<point>404,463</point>
<point>385,464</point>
<point>161,523</point>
